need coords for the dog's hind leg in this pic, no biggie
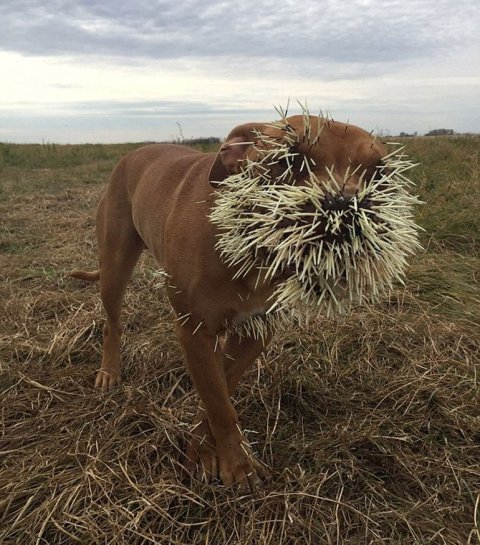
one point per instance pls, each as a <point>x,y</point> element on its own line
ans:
<point>119,248</point>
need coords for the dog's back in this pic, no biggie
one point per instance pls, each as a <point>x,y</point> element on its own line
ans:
<point>155,184</point>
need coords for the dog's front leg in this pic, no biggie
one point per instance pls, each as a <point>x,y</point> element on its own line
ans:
<point>236,464</point>
<point>239,353</point>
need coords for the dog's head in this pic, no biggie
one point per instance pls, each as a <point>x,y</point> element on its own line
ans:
<point>317,205</point>
<point>348,153</point>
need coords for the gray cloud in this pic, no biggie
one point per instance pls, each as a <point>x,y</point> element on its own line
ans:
<point>321,31</point>
<point>405,65</point>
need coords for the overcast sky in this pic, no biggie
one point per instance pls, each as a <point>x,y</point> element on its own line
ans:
<point>85,71</point>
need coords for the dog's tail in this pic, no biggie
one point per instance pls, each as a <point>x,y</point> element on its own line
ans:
<point>93,276</point>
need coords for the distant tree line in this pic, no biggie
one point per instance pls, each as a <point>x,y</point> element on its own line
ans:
<point>441,132</point>
<point>203,141</point>
<point>206,141</point>
<point>434,132</point>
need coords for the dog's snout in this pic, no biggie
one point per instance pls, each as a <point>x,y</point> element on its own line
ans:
<point>347,199</point>
<point>338,202</point>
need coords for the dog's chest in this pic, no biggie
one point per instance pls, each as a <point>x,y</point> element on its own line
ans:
<point>245,316</point>
<point>254,323</point>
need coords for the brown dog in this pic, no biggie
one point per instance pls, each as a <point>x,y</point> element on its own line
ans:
<point>159,197</point>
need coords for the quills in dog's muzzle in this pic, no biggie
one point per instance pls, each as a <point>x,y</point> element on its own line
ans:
<point>326,251</point>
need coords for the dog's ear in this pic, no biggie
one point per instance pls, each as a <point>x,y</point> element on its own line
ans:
<point>233,151</point>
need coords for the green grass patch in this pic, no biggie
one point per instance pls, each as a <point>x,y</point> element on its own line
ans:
<point>36,156</point>
<point>447,179</point>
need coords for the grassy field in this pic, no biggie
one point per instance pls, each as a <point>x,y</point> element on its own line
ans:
<point>370,423</point>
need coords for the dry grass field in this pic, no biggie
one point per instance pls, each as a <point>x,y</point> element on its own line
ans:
<point>369,423</point>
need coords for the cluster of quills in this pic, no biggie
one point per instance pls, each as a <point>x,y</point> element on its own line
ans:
<point>324,252</point>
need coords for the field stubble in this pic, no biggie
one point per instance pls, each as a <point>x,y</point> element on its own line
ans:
<point>370,423</point>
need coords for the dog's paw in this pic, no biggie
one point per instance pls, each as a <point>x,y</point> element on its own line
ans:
<point>201,454</point>
<point>238,466</point>
<point>107,379</point>
<point>232,460</point>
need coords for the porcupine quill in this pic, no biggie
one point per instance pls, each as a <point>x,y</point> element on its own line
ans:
<point>343,252</point>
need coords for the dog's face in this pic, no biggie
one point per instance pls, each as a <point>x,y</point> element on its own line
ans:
<point>316,205</point>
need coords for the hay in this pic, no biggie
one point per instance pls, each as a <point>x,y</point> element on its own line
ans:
<point>369,422</point>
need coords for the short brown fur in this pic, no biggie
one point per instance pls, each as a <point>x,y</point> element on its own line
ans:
<point>159,197</point>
